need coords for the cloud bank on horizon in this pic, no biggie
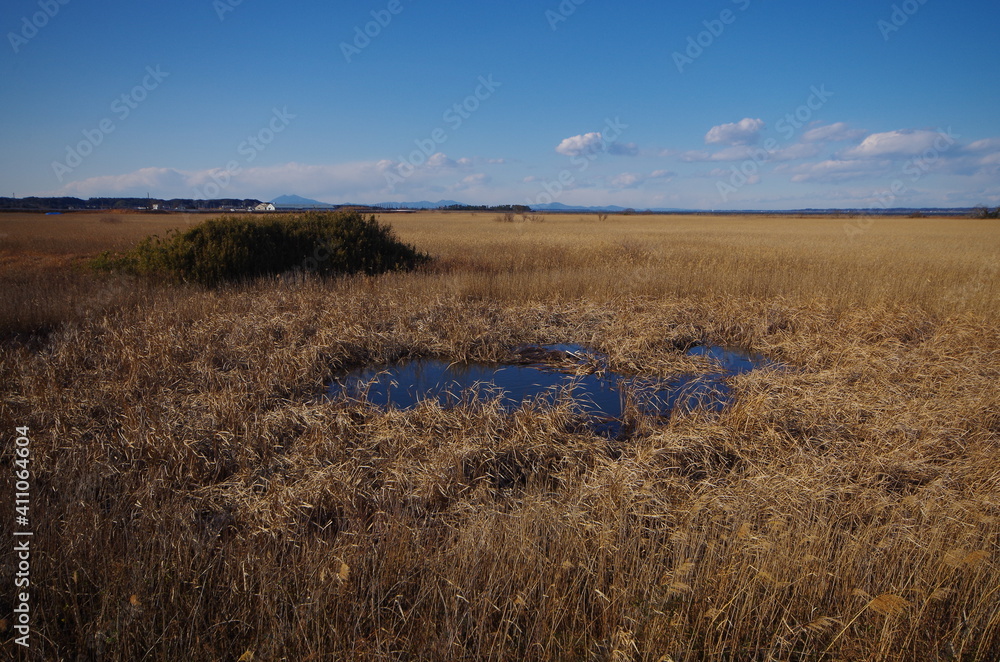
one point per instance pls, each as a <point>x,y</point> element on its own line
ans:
<point>761,117</point>
<point>911,154</point>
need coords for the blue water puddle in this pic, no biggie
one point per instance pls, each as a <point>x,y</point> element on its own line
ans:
<point>541,372</point>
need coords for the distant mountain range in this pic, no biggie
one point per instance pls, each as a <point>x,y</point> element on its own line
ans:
<point>611,209</point>
<point>423,204</point>
<point>297,201</point>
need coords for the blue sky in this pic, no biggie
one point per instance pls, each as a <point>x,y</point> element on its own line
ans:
<point>720,104</point>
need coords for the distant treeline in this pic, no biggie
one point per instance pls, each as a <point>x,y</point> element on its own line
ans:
<point>517,209</point>
<point>175,204</point>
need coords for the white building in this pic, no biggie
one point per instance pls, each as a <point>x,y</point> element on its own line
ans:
<point>264,206</point>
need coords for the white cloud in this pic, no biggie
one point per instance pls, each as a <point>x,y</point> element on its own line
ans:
<point>586,143</point>
<point>990,159</point>
<point>728,154</point>
<point>472,181</point>
<point>594,143</point>
<point>745,132</point>
<point>355,182</point>
<point>297,177</point>
<point>894,143</point>
<point>633,180</point>
<point>837,132</point>
<point>985,145</point>
<point>758,154</point>
<point>735,153</point>
<point>441,160</point>
<point>834,170</point>
<point>139,181</point>
<point>695,156</point>
<point>626,180</point>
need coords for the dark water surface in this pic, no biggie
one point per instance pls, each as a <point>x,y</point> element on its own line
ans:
<point>602,394</point>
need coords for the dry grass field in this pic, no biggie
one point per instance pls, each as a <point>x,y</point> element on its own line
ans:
<point>195,497</point>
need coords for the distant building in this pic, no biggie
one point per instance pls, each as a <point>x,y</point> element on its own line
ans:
<point>264,206</point>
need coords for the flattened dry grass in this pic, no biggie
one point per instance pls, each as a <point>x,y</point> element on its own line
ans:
<point>196,497</point>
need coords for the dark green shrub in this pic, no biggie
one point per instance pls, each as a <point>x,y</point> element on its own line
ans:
<point>237,248</point>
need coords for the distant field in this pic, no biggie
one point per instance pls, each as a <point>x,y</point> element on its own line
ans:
<point>196,498</point>
<point>37,240</point>
<point>946,265</point>
<point>943,265</point>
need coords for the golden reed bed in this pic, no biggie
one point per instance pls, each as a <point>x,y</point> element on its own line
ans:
<point>196,498</point>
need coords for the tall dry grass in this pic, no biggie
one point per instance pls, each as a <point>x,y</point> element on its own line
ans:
<point>44,278</point>
<point>197,498</point>
<point>941,265</point>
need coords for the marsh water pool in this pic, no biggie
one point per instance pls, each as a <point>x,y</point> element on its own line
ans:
<point>542,372</point>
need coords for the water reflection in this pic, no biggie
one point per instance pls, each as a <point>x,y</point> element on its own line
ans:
<point>543,371</point>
